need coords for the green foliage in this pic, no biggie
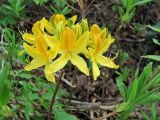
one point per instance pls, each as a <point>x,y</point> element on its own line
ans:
<point>142,91</point>
<point>127,9</point>
<point>123,56</point>
<point>38,93</point>
<point>11,12</point>
<point>154,57</point>
<point>62,115</point>
<point>4,85</point>
<point>4,91</point>
<point>5,111</point>
<point>11,46</point>
<point>152,114</point>
<point>154,28</point>
<point>123,74</point>
<point>40,2</point>
<point>60,7</point>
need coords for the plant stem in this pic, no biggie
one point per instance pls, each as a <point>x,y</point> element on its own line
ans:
<point>54,95</point>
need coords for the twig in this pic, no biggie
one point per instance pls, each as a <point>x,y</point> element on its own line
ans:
<point>89,5</point>
<point>87,105</point>
<point>3,49</point>
<point>54,95</point>
<point>130,40</point>
<point>66,81</point>
<point>71,6</point>
<point>109,115</point>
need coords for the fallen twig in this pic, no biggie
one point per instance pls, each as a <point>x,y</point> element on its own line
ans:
<point>87,105</point>
<point>3,48</point>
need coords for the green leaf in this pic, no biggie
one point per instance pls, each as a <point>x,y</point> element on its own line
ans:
<point>66,10</point>
<point>122,88</point>
<point>62,115</point>
<point>153,82</point>
<point>4,94</point>
<point>28,109</point>
<point>153,57</point>
<point>156,28</point>
<point>148,97</point>
<point>145,115</point>
<point>142,2</point>
<point>25,75</point>
<point>5,111</point>
<point>124,3</point>
<point>156,41</point>
<point>4,85</point>
<point>154,111</point>
<point>130,5</point>
<point>132,91</point>
<point>142,80</point>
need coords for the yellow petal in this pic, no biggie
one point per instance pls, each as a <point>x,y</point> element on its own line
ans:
<point>95,29</point>
<point>78,30</point>
<point>36,27</point>
<point>67,40</point>
<point>106,44</point>
<point>29,38</point>
<point>81,43</point>
<point>86,53</point>
<point>80,63</point>
<point>31,51</point>
<point>50,76</point>
<point>41,43</point>
<point>51,40</point>
<point>104,33</point>
<point>84,25</point>
<point>96,71</point>
<point>56,19</point>
<point>58,29</point>
<point>58,64</point>
<point>35,63</point>
<point>48,26</point>
<point>73,18</point>
<point>97,43</point>
<point>59,18</point>
<point>104,61</point>
<point>52,53</point>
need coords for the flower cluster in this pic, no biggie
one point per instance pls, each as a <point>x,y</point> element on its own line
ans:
<point>56,42</point>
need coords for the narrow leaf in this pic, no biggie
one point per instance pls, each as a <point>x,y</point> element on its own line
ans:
<point>142,80</point>
<point>143,2</point>
<point>122,88</point>
<point>4,86</point>
<point>153,57</point>
<point>156,41</point>
<point>148,97</point>
<point>132,91</point>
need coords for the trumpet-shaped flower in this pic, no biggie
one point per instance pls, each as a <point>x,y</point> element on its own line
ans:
<point>70,45</point>
<point>39,51</point>
<point>100,43</point>
<point>57,23</point>
<point>69,40</point>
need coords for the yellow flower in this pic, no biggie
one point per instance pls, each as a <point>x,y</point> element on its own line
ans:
<point>39,51</point>
<point>57,23</point>
<point>100,43</point>
<point>62,36</point>
<point>70,47</point>
<point>55,26</point>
